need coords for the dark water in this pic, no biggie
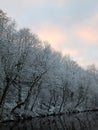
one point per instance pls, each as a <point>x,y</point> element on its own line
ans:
<point>87,121</point>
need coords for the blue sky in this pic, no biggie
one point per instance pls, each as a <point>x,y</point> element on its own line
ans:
<point>70,26</point>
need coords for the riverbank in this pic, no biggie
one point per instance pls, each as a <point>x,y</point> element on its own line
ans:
<point>24,117</point>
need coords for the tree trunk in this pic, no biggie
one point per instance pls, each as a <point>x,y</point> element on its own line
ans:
<point>2,100</point>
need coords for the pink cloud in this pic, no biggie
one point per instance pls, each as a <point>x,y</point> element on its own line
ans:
<point>87,34</point>
<point>53,34</point>
<point>58,39</point>
<point>87,31</point>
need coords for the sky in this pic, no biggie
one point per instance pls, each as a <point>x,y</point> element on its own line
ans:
<point>70,26</point>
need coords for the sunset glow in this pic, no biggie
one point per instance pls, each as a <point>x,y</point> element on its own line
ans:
<point>71,27</point>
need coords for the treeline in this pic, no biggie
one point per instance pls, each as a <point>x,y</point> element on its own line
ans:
<point>36,80</point>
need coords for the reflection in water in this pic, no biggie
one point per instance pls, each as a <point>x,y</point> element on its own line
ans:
<point>87,121</point>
